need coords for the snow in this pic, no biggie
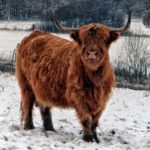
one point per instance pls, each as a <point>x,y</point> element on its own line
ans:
<point>124,125</point>
<point>19,25</point>
<point>137,24</point>
<point>9,41</point>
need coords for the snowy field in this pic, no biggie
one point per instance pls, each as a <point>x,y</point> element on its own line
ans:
<point>125,124</point>
<point>9,41</point>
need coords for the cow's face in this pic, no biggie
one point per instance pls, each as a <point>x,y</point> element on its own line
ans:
<point>94,41</point>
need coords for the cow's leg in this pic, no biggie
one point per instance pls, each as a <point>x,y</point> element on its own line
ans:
<point>27,103</point>
<point>87,133</point>
<point>86,120</point>
<point>27,100</point>
<point>95,119</point>
<point>47,119</point>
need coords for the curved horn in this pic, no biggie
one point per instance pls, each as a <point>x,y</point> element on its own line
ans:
<point>60,27</point>
<point>126,27</point>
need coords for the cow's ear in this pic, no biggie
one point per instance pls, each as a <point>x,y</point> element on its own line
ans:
<point>113,36</point>
<point>75,36</point>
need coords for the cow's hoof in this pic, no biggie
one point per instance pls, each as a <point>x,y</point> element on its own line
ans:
<point>96,138</point>
<point>49,129</point>
<point>28,126</point>
<point>88,138</point>
<point>48,125</point>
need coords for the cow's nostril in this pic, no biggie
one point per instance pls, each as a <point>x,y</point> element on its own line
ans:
<point>92,53</point>
<point>96,53</point>
<point>88,53</point>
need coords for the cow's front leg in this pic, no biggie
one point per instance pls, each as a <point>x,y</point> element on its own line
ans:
<point>76,96</point>
<point>87,133</point>
<point>95,119</point>
<point>86,120</point>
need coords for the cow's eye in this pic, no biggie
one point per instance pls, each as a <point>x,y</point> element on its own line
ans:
<point>101,50</point>
<point>101,37</point>
<point>84,49</point>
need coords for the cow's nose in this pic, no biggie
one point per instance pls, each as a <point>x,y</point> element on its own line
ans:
<point>92,54</point>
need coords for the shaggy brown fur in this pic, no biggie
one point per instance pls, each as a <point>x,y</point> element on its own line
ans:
<point>54,72</point>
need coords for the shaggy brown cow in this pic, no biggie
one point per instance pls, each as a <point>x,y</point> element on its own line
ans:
<point>54,72</point>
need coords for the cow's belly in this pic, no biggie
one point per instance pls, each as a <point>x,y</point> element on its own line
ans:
<point>50,94</point>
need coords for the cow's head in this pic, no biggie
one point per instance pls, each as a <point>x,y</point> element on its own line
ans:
<point>94,40</point>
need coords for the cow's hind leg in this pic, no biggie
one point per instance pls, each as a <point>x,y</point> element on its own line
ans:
<point>27,100</point>
<point>27,103</point>
<point>47,119</point>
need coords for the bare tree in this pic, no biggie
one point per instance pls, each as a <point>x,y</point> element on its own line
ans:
<point>134,61</point>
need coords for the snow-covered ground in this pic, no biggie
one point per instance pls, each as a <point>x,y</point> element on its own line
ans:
<point>125,124</point>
